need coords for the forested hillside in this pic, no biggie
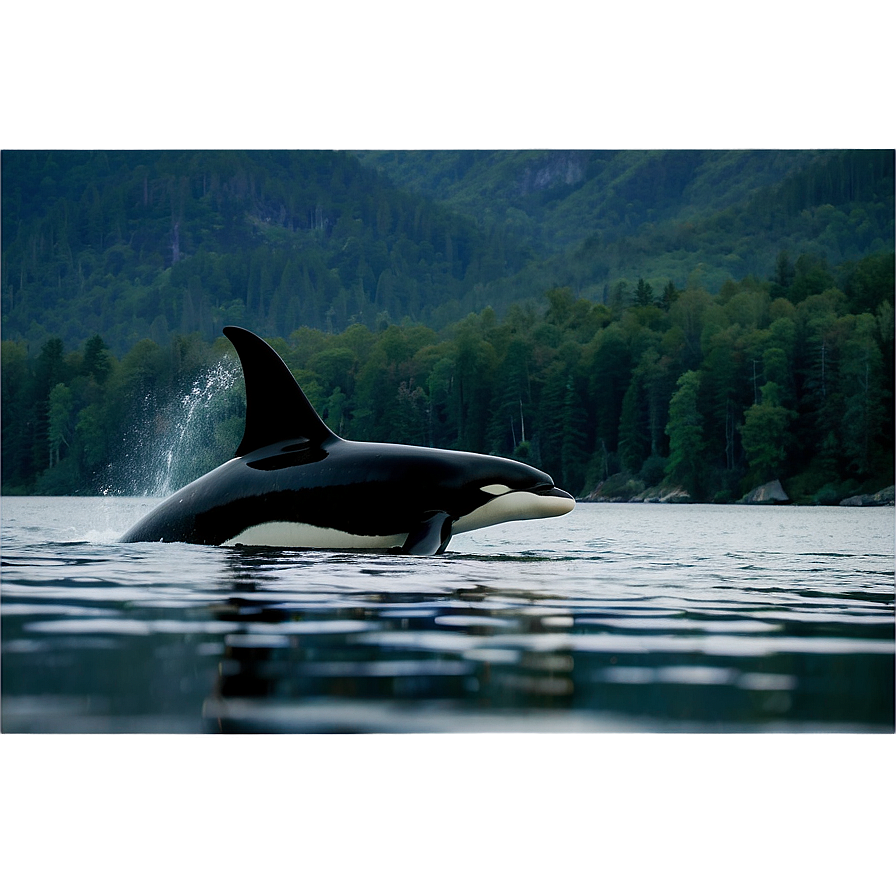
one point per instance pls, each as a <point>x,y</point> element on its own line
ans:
<point>704,320</point>
<point>713,393</point>
<point>557,198</point>
<point>133,245</point>
<point>602,216</point>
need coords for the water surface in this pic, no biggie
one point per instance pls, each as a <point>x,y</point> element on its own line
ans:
<point>613,618</point>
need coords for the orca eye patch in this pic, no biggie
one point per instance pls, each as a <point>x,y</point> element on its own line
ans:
<point>496,489</point>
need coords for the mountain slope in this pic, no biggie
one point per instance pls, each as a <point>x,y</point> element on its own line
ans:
<point>566,195</point>
<point>597,217</point>
<point>134,244</point>
<point>137,244</point>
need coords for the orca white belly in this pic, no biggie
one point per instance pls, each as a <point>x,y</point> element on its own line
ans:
<point>302,535</point>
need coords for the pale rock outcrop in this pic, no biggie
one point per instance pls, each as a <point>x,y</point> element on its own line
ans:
<point>769,493</point>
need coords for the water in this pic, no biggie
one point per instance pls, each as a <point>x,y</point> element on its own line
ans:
<point>627,618</point>
<point>187,433</point>
<point>185,436</point>
<point>613,618</point>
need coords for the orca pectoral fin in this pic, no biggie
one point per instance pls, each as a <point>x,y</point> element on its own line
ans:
<point>431,536</point>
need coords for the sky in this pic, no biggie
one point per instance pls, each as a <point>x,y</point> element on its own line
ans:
<point>475,74</point>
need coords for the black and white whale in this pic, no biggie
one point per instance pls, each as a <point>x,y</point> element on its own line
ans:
<point>295,483</point>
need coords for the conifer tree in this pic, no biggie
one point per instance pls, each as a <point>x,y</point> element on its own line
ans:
<point>766,437</point>
<point>685,431</point>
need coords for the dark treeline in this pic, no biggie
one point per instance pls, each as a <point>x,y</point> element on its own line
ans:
<point>712,392</point>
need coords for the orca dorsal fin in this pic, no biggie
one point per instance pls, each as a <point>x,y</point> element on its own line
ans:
<point>276,406</point>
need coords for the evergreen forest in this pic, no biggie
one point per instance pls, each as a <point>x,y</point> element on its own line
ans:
<point>703,321</point>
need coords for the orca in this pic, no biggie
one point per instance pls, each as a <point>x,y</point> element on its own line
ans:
<point>294,483</point>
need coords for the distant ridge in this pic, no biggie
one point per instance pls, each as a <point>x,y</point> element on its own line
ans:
<point>146,244</point>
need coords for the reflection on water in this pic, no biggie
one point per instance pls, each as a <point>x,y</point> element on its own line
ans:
<point>635,618</point>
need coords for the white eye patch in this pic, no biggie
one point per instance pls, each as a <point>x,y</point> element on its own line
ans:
<point>495,489</point>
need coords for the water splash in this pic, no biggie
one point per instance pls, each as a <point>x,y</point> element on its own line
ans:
<point>172,445</point>
<point>193,428</point>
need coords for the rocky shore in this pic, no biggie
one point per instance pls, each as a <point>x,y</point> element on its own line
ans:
<point>620,490</point>
<point>883,498</point>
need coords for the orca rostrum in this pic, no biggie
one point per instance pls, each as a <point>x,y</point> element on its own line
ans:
<point>295,483</point>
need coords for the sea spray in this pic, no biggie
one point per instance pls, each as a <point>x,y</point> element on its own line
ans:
<point>193,429</point>
<point>171,445</point>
